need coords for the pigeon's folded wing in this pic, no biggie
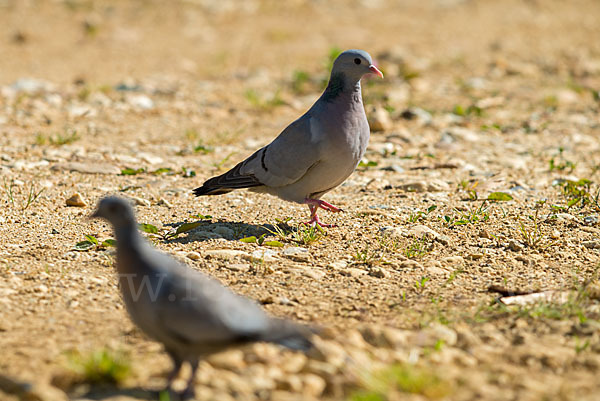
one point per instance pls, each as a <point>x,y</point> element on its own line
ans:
<point>199,310</point>
<point>288,158</point>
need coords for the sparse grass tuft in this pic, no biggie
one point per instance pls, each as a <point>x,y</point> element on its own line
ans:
<point>57,139</point>
<point>302,234</point>
<point>263,103</point>
<point>32,194</point>
<point>306,235</point>
<point>420,215</point>
<point>300,81</point>
<point>419,247</point>
<point>386,384</point>
<point>472,216</point>
<point>99,367</point>
<point>531,232</point>
<point>561,164</point>
<point>365,256</point>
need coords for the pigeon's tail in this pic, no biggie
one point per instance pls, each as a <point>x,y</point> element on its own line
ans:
<point>289,334</point>
<point>227,182</point>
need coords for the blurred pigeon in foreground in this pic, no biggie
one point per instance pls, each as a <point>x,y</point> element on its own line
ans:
<point>315,153</point>
<point>190,313</point>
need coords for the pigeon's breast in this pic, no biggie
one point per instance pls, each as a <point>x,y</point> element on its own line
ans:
<point>341,135</point>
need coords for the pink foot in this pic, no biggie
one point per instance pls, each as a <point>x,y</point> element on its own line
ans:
<point>314,221</point>
<point>314,205</point>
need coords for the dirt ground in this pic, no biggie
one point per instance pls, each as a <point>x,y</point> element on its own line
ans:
<point>479,97</point>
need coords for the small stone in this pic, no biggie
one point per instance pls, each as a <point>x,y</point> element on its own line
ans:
<point>164,202</point>
<point>289,383</point>
<point>593,290</point>
<point>337,265</point>
<point>355,338</point>
<point>238,267</point>
<point>140,201</point>
<point>524,259</point>
<point>593,244</point>
<point>320,368</point>
<point>313,273</point>
<point>454,260</point>
<point>476,256</point>
<point>425,186</point>
<point>379,119</point>
<point>29,85</point>
<point>41,288</point>
<point>434,267</point>
<point>87,168</point>
<point>353,272</point>
<point>462,134</point>
<point>76,111</point>
<point>329,351</point>
<point>294,362</point>
<point>193,255</point>
<point>484,234</point>
<point>225,254</point>
<point>420,231</point>
<point>555,234</point>
<point>514,246</point>
<point>142,102</point>
<point>565,217</point>
<point>395,338</point>
<point>313,385</point>
<point>262,255</point>
<point>296,253</point>
<point>430,336</point>
<point>411,264</point>
<point>76,200</point>
<point>150,158</point>
<point>379,272</point>
<point>230,360</point>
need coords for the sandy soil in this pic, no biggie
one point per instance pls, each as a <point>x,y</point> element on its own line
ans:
<point>479,97</point>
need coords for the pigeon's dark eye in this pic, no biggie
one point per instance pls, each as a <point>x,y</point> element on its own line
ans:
<point>356,61</point>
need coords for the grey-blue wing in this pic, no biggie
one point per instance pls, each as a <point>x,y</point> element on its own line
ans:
<point>199,310</point>
<point>288,158</point>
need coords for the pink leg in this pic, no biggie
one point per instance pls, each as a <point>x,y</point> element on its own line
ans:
<point>314,205</point>
<point>322,204</point>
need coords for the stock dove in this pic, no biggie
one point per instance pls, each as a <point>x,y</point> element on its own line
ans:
<point>191,314</point>
<point>315,153</point>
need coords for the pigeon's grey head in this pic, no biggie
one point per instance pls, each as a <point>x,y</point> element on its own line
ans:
<point>354,64</point>
<point>116,210</point>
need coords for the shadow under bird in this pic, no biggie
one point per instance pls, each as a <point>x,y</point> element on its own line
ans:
<point>315,153</point>
<point>191,314</point>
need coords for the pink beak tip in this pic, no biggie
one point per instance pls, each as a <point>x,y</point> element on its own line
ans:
<point>375,70</point>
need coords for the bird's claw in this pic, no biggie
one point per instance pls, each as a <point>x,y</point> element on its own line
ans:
<point>314,222</point>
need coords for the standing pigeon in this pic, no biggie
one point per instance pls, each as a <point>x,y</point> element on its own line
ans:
<point>191,314</point>
<point>315,153</point>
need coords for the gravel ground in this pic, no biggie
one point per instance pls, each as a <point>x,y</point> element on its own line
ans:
<point>478,190</point>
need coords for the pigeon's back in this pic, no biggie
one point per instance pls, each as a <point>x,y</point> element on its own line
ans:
<point>190,312</point>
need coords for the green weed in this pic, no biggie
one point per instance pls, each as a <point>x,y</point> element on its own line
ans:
<point>471,216</point>
<point>419,247</point>
<point>57,139</point>
<point>32,194</point>
<point>421,215</point>
<point>560,163</point>
<point>259,102</point>
<point>92,242</point>
<point>300,81</point>
<point>531,232</point>
<point>100,367</point>
<point>385,384</point>
<point>302,234</point>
